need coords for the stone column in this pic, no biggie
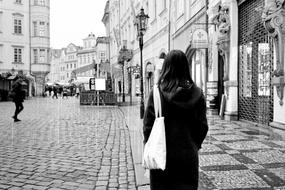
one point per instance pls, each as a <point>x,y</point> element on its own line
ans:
<point>231,85</point>
<point>227,23</point>
<point>273,17</point>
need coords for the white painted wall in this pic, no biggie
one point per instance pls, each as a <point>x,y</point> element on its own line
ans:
<point>8,39</point>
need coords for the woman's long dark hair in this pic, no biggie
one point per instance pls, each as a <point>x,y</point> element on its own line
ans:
<point>175,70</point>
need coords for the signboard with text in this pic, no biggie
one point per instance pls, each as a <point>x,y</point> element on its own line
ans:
<point>100,84</point>
<point>199,39</point>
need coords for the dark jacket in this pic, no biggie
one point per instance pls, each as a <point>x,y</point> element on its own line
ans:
<point>186,127</point>
<point>19,93</point>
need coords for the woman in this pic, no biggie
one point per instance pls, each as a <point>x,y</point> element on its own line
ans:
<point>184,109</point>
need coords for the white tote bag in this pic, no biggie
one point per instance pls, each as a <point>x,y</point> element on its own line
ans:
<point>154,155</point>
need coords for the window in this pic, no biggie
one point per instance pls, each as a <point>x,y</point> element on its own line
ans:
<point>263,69</point>
<point>245,53</point>
<point>36,56</point>
<point>67,75</point>
<point>47,32</point>
<point>66,66</point>
<point>17,26</point>
<point>18,51</point>
<point>70,65</point>
<point>42,55</point>
<point>42,29</point>
<point>102,56</point>
<point>42,2</point>
<point>74,65</point>
<point>35,28</point>
<point>18,1</point>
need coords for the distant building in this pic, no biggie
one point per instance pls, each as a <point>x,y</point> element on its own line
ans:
<point>93,53</point>
<point>54,75</point>
<point>70,61</point>
<point>24,41</point>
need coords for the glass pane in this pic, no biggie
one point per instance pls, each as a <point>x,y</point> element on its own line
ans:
<point>263,69</point>
<point>246,59</point>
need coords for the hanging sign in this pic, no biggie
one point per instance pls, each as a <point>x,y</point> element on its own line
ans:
<point>199,39</point>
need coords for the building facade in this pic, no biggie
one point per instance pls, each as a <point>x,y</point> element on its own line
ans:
<point>246,54</point>
<point>239,65</point>
<point>54,74</point>
<point>71,61</point>
<point>24,40</point>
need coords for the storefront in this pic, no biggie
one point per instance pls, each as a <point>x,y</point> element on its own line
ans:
<point>255,97</point>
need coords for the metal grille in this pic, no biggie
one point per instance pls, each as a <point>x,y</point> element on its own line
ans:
<point>255,65</point>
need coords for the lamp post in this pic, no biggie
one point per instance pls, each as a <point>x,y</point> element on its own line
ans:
<point>124,55</point>
<point>122,59</point>
<point>141,24</point>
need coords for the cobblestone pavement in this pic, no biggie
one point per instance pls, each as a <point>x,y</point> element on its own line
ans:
<point>236,157</point>
<point>61,145</point>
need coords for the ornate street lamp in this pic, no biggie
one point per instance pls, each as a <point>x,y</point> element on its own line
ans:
<point>141,24</point>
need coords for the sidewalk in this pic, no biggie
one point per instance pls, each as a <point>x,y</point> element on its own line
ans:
<point>234,155</point>
<point>134,124</point>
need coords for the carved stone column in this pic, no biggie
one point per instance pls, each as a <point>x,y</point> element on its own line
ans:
<point>274,22</point>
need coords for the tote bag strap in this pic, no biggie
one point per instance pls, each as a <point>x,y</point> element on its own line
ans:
<point>157,101</point>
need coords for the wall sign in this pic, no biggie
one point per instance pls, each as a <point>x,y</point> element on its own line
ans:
<point>199,39</point>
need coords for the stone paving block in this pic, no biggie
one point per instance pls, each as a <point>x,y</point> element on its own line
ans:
<point>210,148</point>
<point>247,145</point>
<point>236,179</point>
<point>229,137</point>
<point>2,186</point>
<point>145,187</point>
<point>217,159</point>
<point>15,188</point>
<point>280,172</point>
<point>266,157</point>
<point>101,183</point>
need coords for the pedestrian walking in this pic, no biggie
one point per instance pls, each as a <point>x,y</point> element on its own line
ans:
<point>54,89</point>
<point>18,98</point>
<point>49,90</point>
<point>184,108</point>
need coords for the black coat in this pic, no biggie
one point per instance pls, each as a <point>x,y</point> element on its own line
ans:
<point>19,93</point>
<point>186,127</point>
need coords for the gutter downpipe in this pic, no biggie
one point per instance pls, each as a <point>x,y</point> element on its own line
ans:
<point>30,49</point>
<point>169,24</point>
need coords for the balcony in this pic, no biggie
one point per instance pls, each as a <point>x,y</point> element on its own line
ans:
<point>40,68</point>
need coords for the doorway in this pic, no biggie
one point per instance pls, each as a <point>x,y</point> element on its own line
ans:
<point>220,80</point>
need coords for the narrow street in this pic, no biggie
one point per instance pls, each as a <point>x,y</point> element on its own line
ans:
<point>61,145</point>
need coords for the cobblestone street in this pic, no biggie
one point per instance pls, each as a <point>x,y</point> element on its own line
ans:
<point>237,157</point>
<point>60,145</point>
